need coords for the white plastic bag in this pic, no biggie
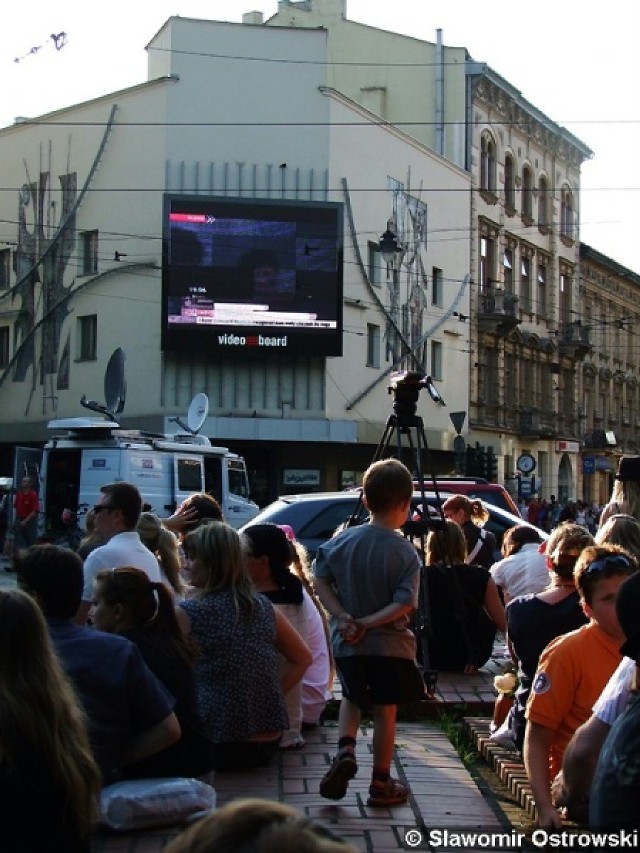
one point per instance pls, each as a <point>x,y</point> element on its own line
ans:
<point>143,803</point>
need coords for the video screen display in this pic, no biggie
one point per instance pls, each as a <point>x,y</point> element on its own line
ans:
<point>251,275</point>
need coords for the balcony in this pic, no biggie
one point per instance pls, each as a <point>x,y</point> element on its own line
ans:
<point>599,438</point>
<point>574,340</point>
<point>533,422</point>
<point>497,312</point>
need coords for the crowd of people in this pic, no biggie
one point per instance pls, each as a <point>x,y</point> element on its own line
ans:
<point>177,646</point>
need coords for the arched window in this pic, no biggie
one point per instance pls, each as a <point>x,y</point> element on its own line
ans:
<point>566,213</point>
<point>488,163</point>
<point>509,182</point>
<point>527,194</point>
<point>543,203</point>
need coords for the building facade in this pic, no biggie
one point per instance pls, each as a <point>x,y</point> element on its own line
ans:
<point>223,116</point>
<point>526,344</point>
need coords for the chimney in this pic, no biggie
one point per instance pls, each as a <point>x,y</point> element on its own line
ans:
<point>253,18</point>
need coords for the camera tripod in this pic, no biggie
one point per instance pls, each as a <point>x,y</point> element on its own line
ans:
<point>404,435</point>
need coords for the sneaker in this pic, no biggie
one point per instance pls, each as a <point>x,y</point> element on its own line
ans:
<point>336,780</point>
<point>389,793</point>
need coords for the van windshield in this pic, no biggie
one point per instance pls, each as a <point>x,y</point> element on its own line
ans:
<point>238,484</point>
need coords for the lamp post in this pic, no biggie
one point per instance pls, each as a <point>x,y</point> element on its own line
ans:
<point>392,251</point>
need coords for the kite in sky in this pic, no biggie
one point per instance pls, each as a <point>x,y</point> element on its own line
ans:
<point>59,40</point>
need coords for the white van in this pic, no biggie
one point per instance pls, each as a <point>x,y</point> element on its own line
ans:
<point>86,453</point>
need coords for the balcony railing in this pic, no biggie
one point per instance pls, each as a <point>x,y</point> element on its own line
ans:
<point>574,339</point>
<point>497,311</point>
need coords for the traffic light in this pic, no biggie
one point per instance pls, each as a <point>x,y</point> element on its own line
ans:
<point>471,466</point>
<point>491,467</point>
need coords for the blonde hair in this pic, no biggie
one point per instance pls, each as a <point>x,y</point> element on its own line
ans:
<point>165,546</point>
<point>622,530</point>
<point>446,545</point>
<point>474,510</point>
<point>39,709</point>
<point>625,499</point>
<point>218,548</point>
<point>257,826</point>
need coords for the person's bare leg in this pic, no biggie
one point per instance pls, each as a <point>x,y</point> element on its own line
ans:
<point>349,717</point>
<point>384,735</point>
<point>384,790</point>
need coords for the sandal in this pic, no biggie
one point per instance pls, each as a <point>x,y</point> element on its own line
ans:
<point>336,780</point>
<point>389,793</point>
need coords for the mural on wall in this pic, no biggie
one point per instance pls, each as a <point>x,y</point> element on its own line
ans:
<point>41,297</point>
<point>406,279</point>
<point>42,255</point>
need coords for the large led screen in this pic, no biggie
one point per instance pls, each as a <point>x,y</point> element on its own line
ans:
<point>251,275</point>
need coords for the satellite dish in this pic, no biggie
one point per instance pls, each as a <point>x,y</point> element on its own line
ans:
<point>196,416</point>
<point>114,388</point>
<point>114,382</point>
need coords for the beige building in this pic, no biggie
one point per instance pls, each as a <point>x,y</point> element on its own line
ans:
<point>526,345</point>
<point>222,117</point>
<point>609,377</point>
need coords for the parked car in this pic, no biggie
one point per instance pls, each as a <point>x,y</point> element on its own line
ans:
<point>315,516</point>
<point>491,493</point>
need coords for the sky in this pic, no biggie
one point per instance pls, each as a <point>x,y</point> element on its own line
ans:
<point>577,63</point>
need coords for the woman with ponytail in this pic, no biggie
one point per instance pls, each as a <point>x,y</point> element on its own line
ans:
<point>166,547</point>
<point>128,603</point>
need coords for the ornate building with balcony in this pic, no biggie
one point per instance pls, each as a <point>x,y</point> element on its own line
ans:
<point>528,339</point>
<point>609,378</point>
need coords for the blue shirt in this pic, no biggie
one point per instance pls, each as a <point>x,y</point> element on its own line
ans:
<point>120,695</point>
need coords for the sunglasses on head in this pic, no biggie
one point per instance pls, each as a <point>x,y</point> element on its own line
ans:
<point>619,561</point>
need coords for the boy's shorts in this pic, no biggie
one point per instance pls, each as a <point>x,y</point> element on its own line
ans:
<point>373,680</point>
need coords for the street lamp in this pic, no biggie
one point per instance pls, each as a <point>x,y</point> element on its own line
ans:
<point>391,248</point>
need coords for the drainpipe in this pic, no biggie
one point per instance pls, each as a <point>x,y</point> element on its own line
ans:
<point>439,93</point>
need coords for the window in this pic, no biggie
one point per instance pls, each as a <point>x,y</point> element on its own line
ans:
<point>488,163</point>
<point>436,360</point>
<point>189,473</point>
<point>525,283</point>
<point>565,298</point>
<point>566,213</point>
<point>491,376</point>
<point>89,252</point>
<point>87,338</point>
<point>437,295</point>
<point>527,194</point>
<point>510,380</point>
<point>507,267</point>
<point>373,345</point>
<point>5,334</point>
<point>487,264</point>
<point>543,204</point>
<point>541,297</point>
<point>375,264</point>
<point>5,268</point>
<point>509,182</point>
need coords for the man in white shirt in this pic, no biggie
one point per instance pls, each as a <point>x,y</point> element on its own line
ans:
<point>116,516</point>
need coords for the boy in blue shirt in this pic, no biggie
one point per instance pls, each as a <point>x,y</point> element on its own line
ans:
<point>368,578</point>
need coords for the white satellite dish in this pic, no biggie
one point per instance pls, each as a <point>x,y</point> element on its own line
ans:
<point>196,416</point>
<point>114,388</point>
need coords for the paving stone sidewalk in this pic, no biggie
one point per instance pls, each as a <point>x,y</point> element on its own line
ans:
<point>443,792</point>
